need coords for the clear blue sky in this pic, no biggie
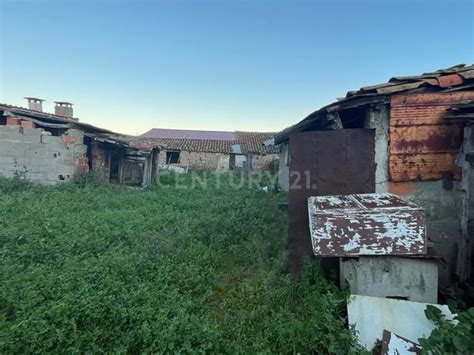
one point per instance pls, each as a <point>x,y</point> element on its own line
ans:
<point>223,65</point>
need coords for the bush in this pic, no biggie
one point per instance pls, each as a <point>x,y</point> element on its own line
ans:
<point>15,184</point>
<point>91,178</point>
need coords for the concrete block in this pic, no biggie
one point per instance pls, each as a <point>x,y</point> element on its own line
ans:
<point>51,139</point>
<point>36,153</point>
<point>53,176</point>
<point>22,161</point>
<point>15,150</point>
<point>31,139</point>
<point>32,131</point>
<point>10,137</point>
<point>5,160</point>
<point>414,279</point>
<point>11,129</point>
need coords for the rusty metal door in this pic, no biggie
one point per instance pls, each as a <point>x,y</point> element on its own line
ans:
<point>335,162</point>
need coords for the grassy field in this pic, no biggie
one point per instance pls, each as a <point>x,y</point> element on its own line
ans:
<point>163,269</point>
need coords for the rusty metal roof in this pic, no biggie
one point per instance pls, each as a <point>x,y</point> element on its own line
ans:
<point>366,224</point>
<point>458,77</point>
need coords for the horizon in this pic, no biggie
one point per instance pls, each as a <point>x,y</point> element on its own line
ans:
<point>218,66</point>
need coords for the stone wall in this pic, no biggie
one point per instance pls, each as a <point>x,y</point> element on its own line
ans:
<point>200,160</point>
<point>38,156</point>
<point>217,161</point>
<point>264,162</point>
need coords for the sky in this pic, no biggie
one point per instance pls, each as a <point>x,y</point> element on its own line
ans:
<point>130,66</point>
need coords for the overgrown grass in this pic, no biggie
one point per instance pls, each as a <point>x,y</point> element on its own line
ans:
<point>162,269</point>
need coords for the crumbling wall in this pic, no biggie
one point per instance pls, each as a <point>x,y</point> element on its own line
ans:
<point>378,117</point>
<point>264,162</point>
<point>38,156</point>
<point>200,160</point>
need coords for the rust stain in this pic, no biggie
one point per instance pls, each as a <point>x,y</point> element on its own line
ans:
<point>423,145</point>
<point>420,167</point>
<point>426,139</point>
<point>401,188</point>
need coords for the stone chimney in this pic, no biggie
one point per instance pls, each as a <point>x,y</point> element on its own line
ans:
<point>35,104</point>
<point>63,109</point>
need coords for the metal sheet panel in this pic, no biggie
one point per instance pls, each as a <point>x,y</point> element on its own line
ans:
<point>393,344</point>
<point>373,224</point>
<point>324,163</point>
<point>371,315</point>
<point>423,145</point>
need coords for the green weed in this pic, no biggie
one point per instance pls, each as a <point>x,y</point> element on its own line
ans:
<point>165,269</point>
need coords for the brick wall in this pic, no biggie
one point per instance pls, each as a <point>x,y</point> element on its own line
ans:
<point>38,156</point>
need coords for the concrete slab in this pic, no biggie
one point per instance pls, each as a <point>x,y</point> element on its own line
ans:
<point>415,279</point>
<point>11,129</point>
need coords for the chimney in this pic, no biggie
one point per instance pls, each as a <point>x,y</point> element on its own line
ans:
<point>35,104</point>
<point>63,109</point>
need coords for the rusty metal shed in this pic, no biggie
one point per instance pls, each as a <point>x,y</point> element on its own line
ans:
<point>418,150</point>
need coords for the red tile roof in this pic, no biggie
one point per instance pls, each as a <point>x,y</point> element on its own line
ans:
<point>164,133</point>
<point>249,142</point>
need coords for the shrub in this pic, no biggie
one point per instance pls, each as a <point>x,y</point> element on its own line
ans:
<point>15,184</point>
<point>91,178</point>
<point>449,337</point>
